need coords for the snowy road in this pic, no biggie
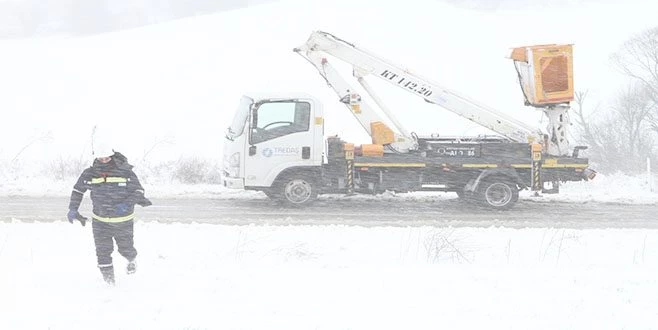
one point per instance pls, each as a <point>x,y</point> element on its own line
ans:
<point>361,212</point>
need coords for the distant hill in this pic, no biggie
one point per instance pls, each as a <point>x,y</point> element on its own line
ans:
<point>44,18</point>
<point>173,86</point>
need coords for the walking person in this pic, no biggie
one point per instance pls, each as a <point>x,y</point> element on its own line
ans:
<point>114,190</point>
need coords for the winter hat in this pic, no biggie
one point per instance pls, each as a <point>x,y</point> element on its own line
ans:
<point>101,145</point>
<point>102,149</point>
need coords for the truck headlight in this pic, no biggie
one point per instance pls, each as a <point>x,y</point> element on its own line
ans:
<point>232,165</point>
<point>234,160</point>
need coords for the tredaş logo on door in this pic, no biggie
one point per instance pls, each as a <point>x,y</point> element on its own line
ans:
<point>280,151</point>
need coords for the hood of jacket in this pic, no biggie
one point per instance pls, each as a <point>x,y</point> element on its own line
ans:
<point>118,161</point>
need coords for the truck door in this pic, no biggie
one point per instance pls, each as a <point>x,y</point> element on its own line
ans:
<point>281,136</point>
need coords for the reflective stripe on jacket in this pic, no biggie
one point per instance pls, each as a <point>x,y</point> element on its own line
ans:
<point>114,219</point>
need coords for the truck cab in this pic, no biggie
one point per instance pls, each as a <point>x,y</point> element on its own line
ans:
<point>271,137</point>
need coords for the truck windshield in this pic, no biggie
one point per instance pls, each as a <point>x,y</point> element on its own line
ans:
<point>279,118</point>
<point>240,119</point>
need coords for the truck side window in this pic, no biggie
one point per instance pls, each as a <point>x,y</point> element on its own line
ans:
<point>276,119</point>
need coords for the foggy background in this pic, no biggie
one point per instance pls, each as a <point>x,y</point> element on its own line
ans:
<point>171,72</point>
<point>42,18</point>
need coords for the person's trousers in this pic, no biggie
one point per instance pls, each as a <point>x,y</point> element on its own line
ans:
<point>105,233</point>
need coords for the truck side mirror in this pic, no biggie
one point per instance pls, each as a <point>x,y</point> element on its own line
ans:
<point>252,150</point>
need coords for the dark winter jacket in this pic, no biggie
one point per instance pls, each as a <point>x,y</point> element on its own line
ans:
<point>114,188</point>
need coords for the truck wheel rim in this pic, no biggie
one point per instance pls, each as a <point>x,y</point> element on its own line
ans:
<point>298,191</point>
<point>498,194</point>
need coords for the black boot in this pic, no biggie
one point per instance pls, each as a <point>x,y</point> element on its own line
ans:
<point>108,273</point>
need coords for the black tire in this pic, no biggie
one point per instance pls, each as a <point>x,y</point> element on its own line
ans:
<point>498,193</point>
<point>297,191</point>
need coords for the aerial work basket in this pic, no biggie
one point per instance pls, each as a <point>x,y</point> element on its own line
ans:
<point>545,73</point>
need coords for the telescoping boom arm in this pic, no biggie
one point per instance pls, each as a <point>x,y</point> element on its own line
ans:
<point>397,138</point>
<point>366,63</point>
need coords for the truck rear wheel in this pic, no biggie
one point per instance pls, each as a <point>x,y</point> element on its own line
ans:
<point>298,190</point>
<point>498,193</point>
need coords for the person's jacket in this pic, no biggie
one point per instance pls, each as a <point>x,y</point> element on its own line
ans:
<point>114,188</point>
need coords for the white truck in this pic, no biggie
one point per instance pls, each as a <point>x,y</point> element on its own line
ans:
<point>276,143</point>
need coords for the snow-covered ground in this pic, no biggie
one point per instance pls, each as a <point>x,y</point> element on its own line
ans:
<point>199,276</point>
<point>178,84</point>
<point>612,188</point>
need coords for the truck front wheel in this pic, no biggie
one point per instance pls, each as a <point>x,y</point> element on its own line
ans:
<point>299,191</point>
<point>499,193</point>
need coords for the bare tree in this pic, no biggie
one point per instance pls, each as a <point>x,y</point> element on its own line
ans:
<point>638,59</point>
<point>585,123</point>
<point>633,106</point>
<point>618,139</point>
<point>623,135</point>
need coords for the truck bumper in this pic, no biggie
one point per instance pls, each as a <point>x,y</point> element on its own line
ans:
<point>589,174</point>
<point>233,183</point>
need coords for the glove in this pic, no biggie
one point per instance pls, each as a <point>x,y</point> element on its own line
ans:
<point>75,215</point>
<point>144,202</point>
<point>122,208</point>
<point>139,199</point>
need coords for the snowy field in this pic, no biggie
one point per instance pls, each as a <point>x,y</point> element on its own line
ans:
<point>197,276</point>
<point>179,84</point>
<point>201,276</point>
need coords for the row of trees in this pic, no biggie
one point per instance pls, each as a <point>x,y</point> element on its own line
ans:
<point>30,18</point>
<point>623,135</point>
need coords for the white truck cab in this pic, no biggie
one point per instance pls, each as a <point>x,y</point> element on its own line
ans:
<point>272,134</point>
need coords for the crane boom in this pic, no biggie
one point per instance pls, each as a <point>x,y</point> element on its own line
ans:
<point>365,63</point>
